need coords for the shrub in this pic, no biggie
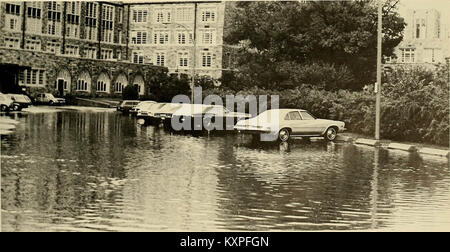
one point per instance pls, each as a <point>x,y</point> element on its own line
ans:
<point>130,92</point>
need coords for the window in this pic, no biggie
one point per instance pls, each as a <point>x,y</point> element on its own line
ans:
<point>139,37</point>
<point>121,82</point>
<point>12,9</point>
<point>32,77</point>
<point>207,36</point>
<point>408,55</point>
<point>183,59</point>
<point>120,15</point>
<point>12,17</point>
<point>140,16</point>
<point>294,115</point>
<point>107,23</point>
<point>163,16</point>
<point>103,83</point>
<point>34,21</point>
<point>432,55</point>
<point>90,53</point>
<point>161,37</point>
<point>33,44</point>
<point>306,116</point>
<point>53,47</point>
<point>183,37</point>
<point>106,54</point>
<point>208,15</point>
<point>73,19</point>
<point>12,42</point>
<point>207,59</point>
<point>90,21</point>
<point>72,50</point>
<point>83,82</point>
<point>184,14</point>
<point>138,58</point>
<point>160,58</point>
<point>54,18</point>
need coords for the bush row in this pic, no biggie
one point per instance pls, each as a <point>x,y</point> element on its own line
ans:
<point>415,105</point>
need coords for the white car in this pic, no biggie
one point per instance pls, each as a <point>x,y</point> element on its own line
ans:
<point>287,123</point>
<point>135,110</point>
<point>47,98</point>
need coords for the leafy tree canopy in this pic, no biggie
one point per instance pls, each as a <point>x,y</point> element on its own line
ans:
<point>278,38</point>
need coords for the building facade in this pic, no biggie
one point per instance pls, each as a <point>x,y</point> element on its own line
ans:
<point>69,47</point>
<point>426,39</point>
<point>185,37</point>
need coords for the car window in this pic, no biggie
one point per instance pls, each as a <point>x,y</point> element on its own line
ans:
<point>287,117</point>
<point>307,116</point>
<point>294,115</point>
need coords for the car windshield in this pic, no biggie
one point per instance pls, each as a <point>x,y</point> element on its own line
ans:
<point>19,98</point>
<point>50,96</point>
<point>307,116</point>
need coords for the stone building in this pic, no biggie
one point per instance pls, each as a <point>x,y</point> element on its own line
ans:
<point>426,39</point>
<point>185,37</point>
<point>69,47</point>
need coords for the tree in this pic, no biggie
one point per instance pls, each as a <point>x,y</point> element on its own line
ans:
<point>164,87</point>
<point>130,92</point>
<point>339,34</point>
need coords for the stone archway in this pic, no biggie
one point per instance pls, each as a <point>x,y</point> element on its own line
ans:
<point>103,83</point>
<point>121,82</point>
<point>83,82</point>
<point>139,82</point>
<point>63,81</point>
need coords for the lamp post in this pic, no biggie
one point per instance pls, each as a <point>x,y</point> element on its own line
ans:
<point>378,88</point>
<point>193,40</point>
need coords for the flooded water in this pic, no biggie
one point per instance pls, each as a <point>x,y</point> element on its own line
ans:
<point>73,171</point>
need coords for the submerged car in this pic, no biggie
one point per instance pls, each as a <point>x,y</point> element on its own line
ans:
<point>6,103</point>
<point>126,105</point>
<point>209,117</point>
<point>135,110</point>
<point>21,101</point>
<point>287,123</point>
<point>47,98</point>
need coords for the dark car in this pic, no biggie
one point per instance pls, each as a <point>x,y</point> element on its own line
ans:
<point>20,101</point>
<point>126,105</point>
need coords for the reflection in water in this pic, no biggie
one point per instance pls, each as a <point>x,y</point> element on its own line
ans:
<point>101,171</point>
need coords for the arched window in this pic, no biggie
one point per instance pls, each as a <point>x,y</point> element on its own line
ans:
<point>120,84</point>
<point>64,79</point>
<point>139,82</point>
<point>84,82</point>
<point>103,83</point>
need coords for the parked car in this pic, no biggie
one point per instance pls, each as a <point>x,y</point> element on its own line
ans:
<point>163,114</point>
<point>21,101</point>
<point>209,115</point>
<point>6,103</point>
<point>147,111</point>
<point>47,98</point>
<point>126,105</point>
<point>287,123</point>
<point>135,110</point>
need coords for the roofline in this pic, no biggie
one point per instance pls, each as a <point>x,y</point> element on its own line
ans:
<point>173,2</point>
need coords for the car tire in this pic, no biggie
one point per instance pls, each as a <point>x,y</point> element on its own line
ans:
<point>330,134</point>
<point>284,135</point>
<point>16,108</point>
<point>4,108</point>
<point>50,103</point>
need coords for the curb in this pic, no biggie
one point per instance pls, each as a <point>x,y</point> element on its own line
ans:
<point>369,142</point>
<point>404,147</point>
<point>346,139</point>
<point>435,152</point>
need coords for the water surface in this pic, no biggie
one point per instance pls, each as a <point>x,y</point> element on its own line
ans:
<point>76,171</point>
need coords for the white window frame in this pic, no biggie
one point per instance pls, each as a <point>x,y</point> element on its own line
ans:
<point>161,35</point>
<point>160,58</point>
<point>208,15</point>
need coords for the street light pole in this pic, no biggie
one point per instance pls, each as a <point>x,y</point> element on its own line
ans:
<point>379,55</point>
